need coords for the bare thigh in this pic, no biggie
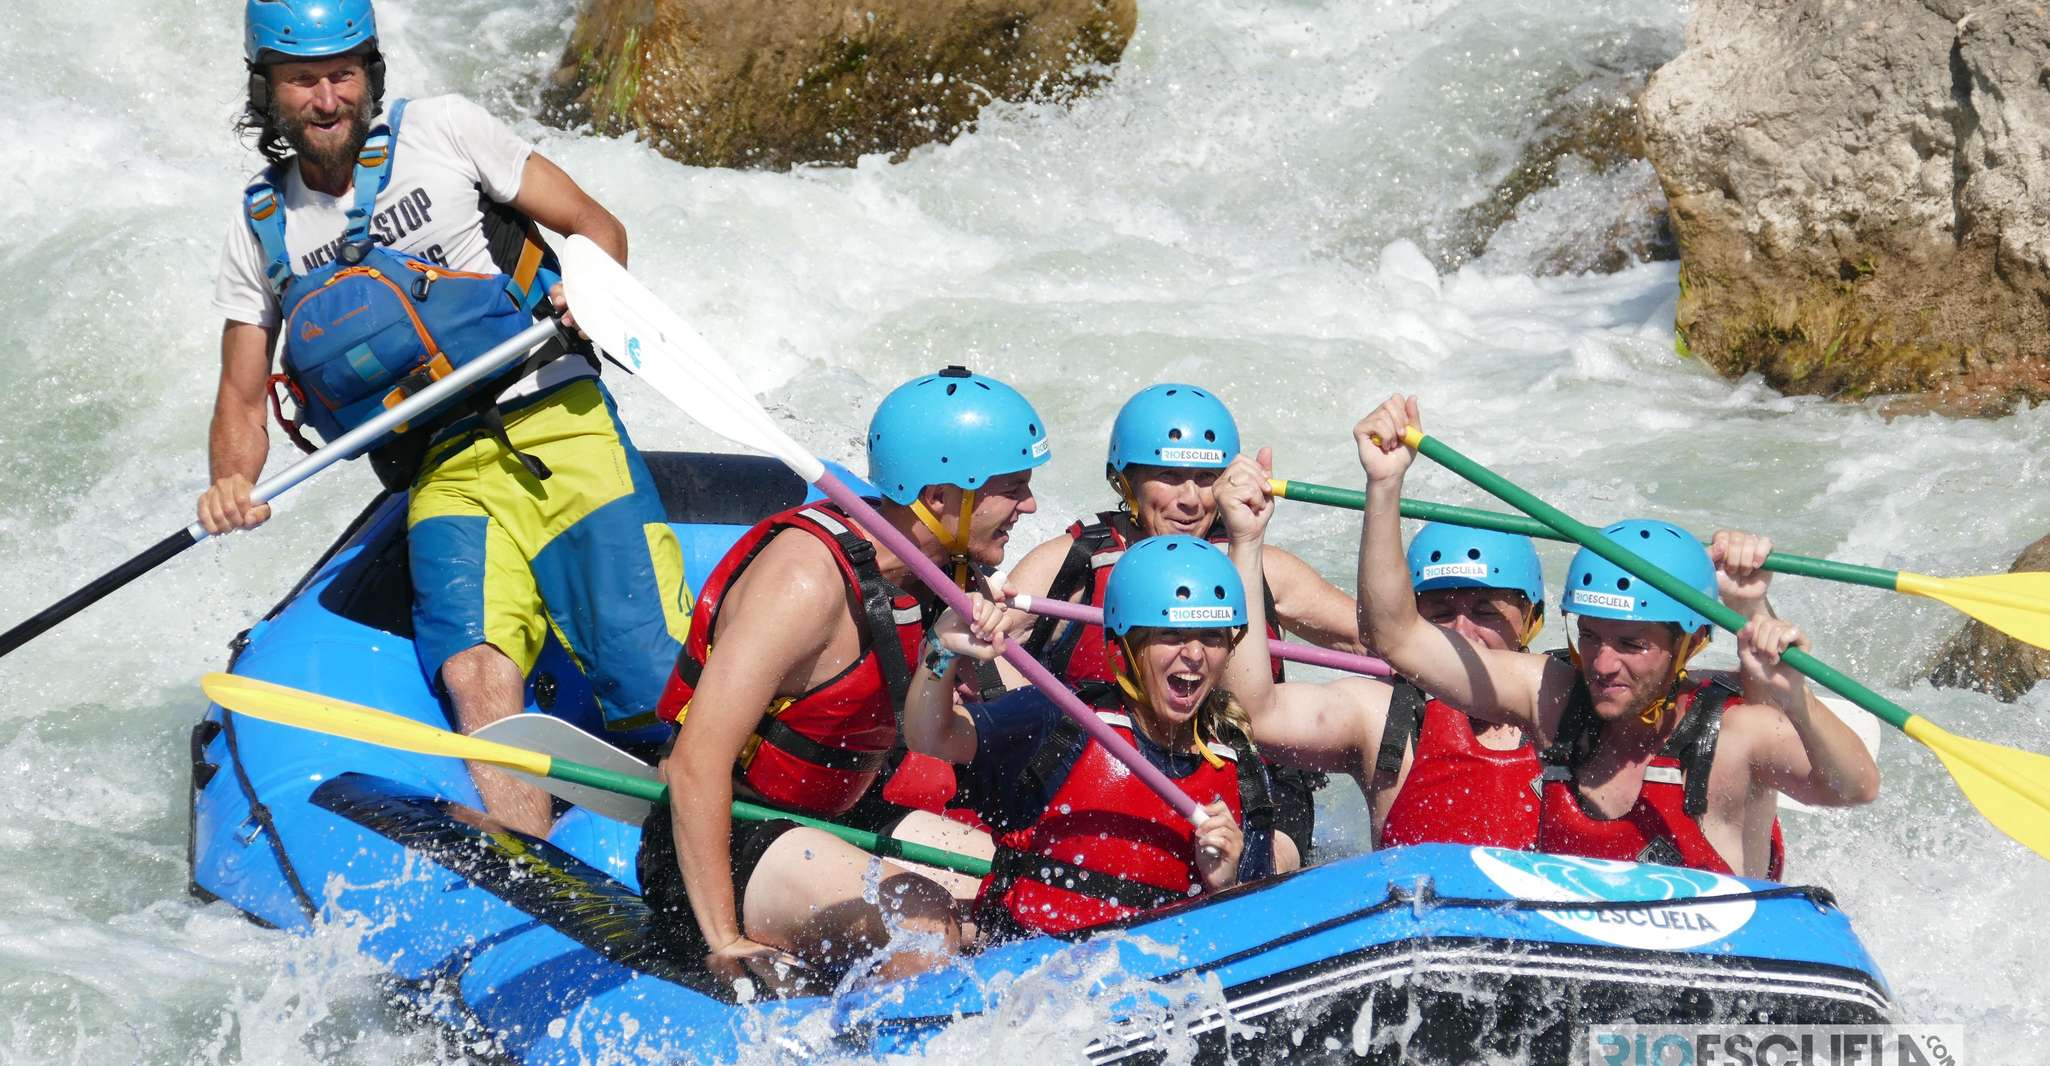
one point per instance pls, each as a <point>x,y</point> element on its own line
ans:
<point>812,894</point>
<point>934,831</point>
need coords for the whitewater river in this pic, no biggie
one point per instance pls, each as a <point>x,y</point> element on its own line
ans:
<point>1254,204</point>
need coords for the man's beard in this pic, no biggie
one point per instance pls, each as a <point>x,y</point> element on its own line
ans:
<point>325,160</point>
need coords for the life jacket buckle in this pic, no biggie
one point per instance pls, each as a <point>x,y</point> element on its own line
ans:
<point>422,283</point>
<point>352,252</point>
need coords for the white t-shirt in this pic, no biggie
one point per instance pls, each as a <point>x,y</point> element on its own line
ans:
<point>448,148</point>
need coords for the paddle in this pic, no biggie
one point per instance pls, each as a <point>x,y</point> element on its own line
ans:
<point>1281,649</point>
<point>2015,604</point>
<point>2011,788</point>
<point>322,714</point>
<point>346,446</point>
<point>624,318</point>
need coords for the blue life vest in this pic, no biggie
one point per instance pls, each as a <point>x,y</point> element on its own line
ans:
<point>375,326</point>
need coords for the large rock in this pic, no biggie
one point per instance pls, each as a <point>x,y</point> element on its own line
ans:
<point>1851,187</point>
<point>775,83</point>
<point>1983,658</point>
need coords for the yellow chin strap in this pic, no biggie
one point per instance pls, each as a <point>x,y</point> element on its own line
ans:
<point>1135,690</point>
<point>1535,624</point>
<point>955,542</point>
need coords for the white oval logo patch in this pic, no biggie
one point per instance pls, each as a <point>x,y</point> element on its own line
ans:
<point>1531,875</point>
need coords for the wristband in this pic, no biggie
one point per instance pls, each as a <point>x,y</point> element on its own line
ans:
<point>938,660</point>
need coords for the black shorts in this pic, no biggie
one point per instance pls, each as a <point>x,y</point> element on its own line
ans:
<point>1295,804</point>
<point>675,927</point>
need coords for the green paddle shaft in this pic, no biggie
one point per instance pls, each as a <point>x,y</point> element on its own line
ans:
<point>656,792</point>
<point>1590,538</point>
<point>1475,518</point>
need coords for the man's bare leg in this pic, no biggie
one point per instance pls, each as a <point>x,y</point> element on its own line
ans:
<point>485,686</point>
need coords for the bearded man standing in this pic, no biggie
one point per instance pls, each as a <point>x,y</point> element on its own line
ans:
<point>531,512</point>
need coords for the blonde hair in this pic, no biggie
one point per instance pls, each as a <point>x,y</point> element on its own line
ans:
<point>1220,709</point>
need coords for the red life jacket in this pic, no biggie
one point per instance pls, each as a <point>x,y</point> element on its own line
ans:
<point>1106,847</point>
<point>1663,825</point>
<point>1459,791</point>
<point>1082,655</point>
<point>820,751</point>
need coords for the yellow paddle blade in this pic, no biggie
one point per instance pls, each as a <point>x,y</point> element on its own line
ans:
<point>2015,604</point>
<point>324,714</point>
<point>2011,788</point>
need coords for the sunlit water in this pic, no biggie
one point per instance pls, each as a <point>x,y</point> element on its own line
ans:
<point>1253,204</point>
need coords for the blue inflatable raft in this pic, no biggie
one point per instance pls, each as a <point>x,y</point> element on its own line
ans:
<point>538,948</point>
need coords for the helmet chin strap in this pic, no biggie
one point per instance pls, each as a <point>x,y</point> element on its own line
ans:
<point>1134,685</point>
<point>955,542</point>
<point>1534,623</point>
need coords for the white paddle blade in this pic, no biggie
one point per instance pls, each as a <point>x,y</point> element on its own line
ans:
<point>554,737</point>
<point>628,321</point>
<point>1865,725</point>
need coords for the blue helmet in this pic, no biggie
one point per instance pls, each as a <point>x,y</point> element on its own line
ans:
<point>1444,556</point>
<point>951,428</point>
<point>1175,426</point>
<point>306,29</point>
<point>1598,588</point>
<point>1173,582</point>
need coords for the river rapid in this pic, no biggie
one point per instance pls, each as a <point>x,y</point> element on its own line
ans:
<point>1259,202</point>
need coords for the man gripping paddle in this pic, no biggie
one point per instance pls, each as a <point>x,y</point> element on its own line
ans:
<point>1640,763</point>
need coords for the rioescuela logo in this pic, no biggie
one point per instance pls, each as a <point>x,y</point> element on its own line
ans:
<point>1776,1045</point>
<point>1637,905</point>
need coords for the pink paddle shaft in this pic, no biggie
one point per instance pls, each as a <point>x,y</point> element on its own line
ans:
<point>859,509</point>
<point>1306,654</point>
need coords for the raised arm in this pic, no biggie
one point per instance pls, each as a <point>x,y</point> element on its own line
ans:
<point>1310,607</point>
<point>1798,746</point>
<point>1500,686</point>
<point>935,723</point>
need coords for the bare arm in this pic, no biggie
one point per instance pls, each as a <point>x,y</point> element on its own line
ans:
<point>779,619</point>
<point>238,441</point>
<point>1499,686</point>
<point>1799,747</point>
<point>548,195</point>
<point>935,723</point>
<point>1310,607</point>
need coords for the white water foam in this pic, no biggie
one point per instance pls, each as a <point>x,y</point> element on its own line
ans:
<point>1255,203</point>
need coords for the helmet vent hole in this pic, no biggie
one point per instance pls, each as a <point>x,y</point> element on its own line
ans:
<point>1182,592</point>
<point>1622,584</point>
<point>1210,435</point>
<point>1172,547</point>
<point>1644,533</point>
<point>951,387</point>
<point>1218,591</point>
<point>943,458</point>
<point>1436,555</point>
<point>1174,434</point>
<point>1032,428</point>
<point>1587,579</point>
<point>1171,392</point>
<point>1473,553</point>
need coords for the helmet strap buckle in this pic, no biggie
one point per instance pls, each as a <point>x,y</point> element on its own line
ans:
<point>955,542</point>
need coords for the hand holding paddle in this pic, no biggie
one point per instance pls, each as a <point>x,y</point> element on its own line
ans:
<point>348,446</point>
<point>2016,604</point>
<point>2010,788</point>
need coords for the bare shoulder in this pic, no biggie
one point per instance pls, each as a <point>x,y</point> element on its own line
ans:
<point>794,581</point>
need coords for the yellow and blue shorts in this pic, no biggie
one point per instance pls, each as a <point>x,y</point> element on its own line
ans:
<point>501,558</point>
